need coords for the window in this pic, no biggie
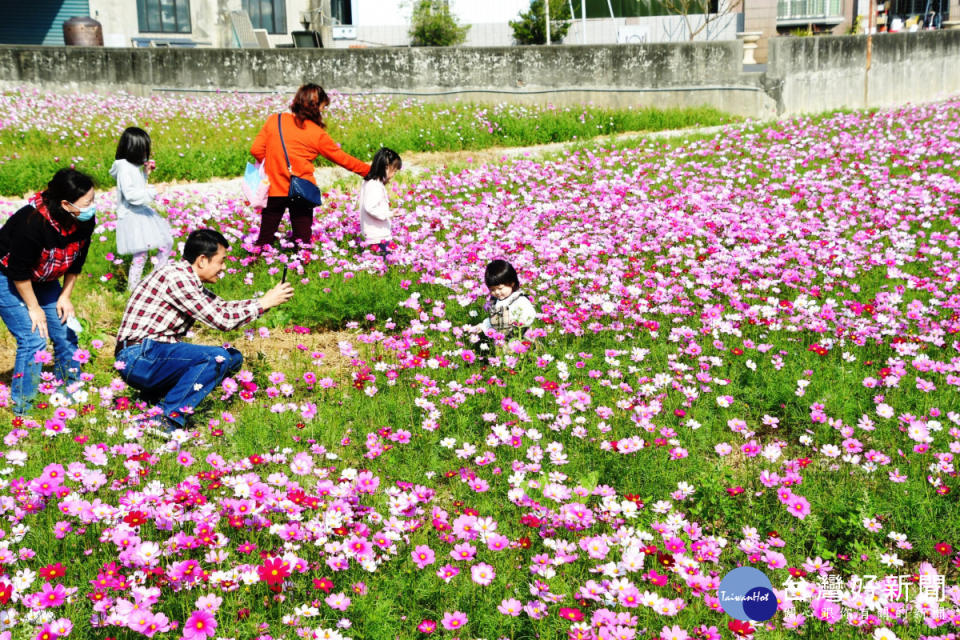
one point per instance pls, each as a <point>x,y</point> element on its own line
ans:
<point>163,16</point>
<point>267,14</point>
<point>340,10</point>
<point>808,11</point>
<point>908,8</point>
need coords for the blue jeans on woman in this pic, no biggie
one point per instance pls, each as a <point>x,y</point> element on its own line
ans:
<point>180,373</point>
<point>26,369</point>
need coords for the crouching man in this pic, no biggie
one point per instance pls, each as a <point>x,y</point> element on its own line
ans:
<point>161,310</point>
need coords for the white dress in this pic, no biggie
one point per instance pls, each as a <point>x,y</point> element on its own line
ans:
<point>139,227</point>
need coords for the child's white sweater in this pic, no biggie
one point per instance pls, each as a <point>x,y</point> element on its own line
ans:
<point>375,212</point>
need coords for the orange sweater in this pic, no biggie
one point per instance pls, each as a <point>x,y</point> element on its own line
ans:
<point>303,146</point>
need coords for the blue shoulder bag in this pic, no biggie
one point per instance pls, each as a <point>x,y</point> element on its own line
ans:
<point>300,189</point>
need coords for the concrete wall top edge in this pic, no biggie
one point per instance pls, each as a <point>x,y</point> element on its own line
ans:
<point>397,67</point>
<point>790,55</point>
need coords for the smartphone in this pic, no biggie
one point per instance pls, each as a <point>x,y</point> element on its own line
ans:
<point>284,278</point>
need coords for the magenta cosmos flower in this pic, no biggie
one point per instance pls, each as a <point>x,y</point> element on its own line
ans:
<point>199,626</point>
<point>52,595</point>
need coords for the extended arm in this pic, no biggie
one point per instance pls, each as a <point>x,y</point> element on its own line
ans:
<point>332,152</point>
<point>213,311</point>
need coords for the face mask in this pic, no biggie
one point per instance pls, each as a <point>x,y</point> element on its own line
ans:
<point>85,214</point>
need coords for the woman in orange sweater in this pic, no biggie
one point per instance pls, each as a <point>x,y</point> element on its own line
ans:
<point>305,136</point>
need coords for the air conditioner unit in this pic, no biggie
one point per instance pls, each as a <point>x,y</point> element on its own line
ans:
<point>344,32</point>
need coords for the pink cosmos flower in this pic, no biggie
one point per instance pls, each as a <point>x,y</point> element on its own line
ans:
<point>482,574</point>
<point>510,607</point>
<point>209,603</point>
<point>675,545</point>
<point>423,556</point>
<point>825,610</point>
<point>140,620</point>
<point>447,572</point>
<point>160,624</point>
<point>673,633</point>
<point>454,621</point>
<point>799,507</point>
<point>464,551</point>
<point>708,633</point>
<point>498,542</point>
<point>338,601</point>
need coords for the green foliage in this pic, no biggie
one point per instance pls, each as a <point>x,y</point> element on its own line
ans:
<point>433,25</point>
<point>531,28</point>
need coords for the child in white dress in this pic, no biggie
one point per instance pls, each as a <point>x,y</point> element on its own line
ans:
<point>139,227</point>
<point>372,202</point>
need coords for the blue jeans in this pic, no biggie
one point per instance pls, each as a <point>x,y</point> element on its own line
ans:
<point>26,370</point>
<point>180,373</point>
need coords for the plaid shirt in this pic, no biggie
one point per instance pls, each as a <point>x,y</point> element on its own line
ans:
<point>166,303</point>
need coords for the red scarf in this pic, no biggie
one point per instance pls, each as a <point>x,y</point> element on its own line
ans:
<point>37,203</point>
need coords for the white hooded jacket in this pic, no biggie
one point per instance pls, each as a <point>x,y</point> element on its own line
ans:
<point>134,195</point>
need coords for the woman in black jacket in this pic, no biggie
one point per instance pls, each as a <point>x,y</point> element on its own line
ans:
<point>42,242</point>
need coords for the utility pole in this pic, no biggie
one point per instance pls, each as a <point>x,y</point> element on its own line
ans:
<point>546,6</point>
<point>583,19</point>
<point>866,72</point>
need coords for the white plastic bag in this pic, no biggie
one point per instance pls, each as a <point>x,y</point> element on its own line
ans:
<point>255,185</point>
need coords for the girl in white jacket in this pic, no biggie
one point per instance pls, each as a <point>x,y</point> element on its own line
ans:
<point>139,227</point>
<point>374,208</point>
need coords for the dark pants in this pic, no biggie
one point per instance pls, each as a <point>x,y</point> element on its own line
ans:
<point>381,248</point>
<point>182,374</point>
<point>301,219</point>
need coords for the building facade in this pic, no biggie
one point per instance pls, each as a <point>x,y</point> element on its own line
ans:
<point>344,23</point>
<point>373,23</point>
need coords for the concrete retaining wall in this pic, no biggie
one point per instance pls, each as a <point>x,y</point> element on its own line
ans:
<point>807,75</point>
<point>804,74</point>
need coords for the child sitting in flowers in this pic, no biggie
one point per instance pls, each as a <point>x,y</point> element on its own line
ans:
<point>508,308</point>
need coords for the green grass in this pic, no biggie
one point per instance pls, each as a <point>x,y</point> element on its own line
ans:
<point>198,142</point>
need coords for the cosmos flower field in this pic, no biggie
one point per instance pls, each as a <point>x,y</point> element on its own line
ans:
<point>748,354</point>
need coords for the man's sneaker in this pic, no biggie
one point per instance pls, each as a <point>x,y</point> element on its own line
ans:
<point>160,426</point>
<point>158,433</point>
